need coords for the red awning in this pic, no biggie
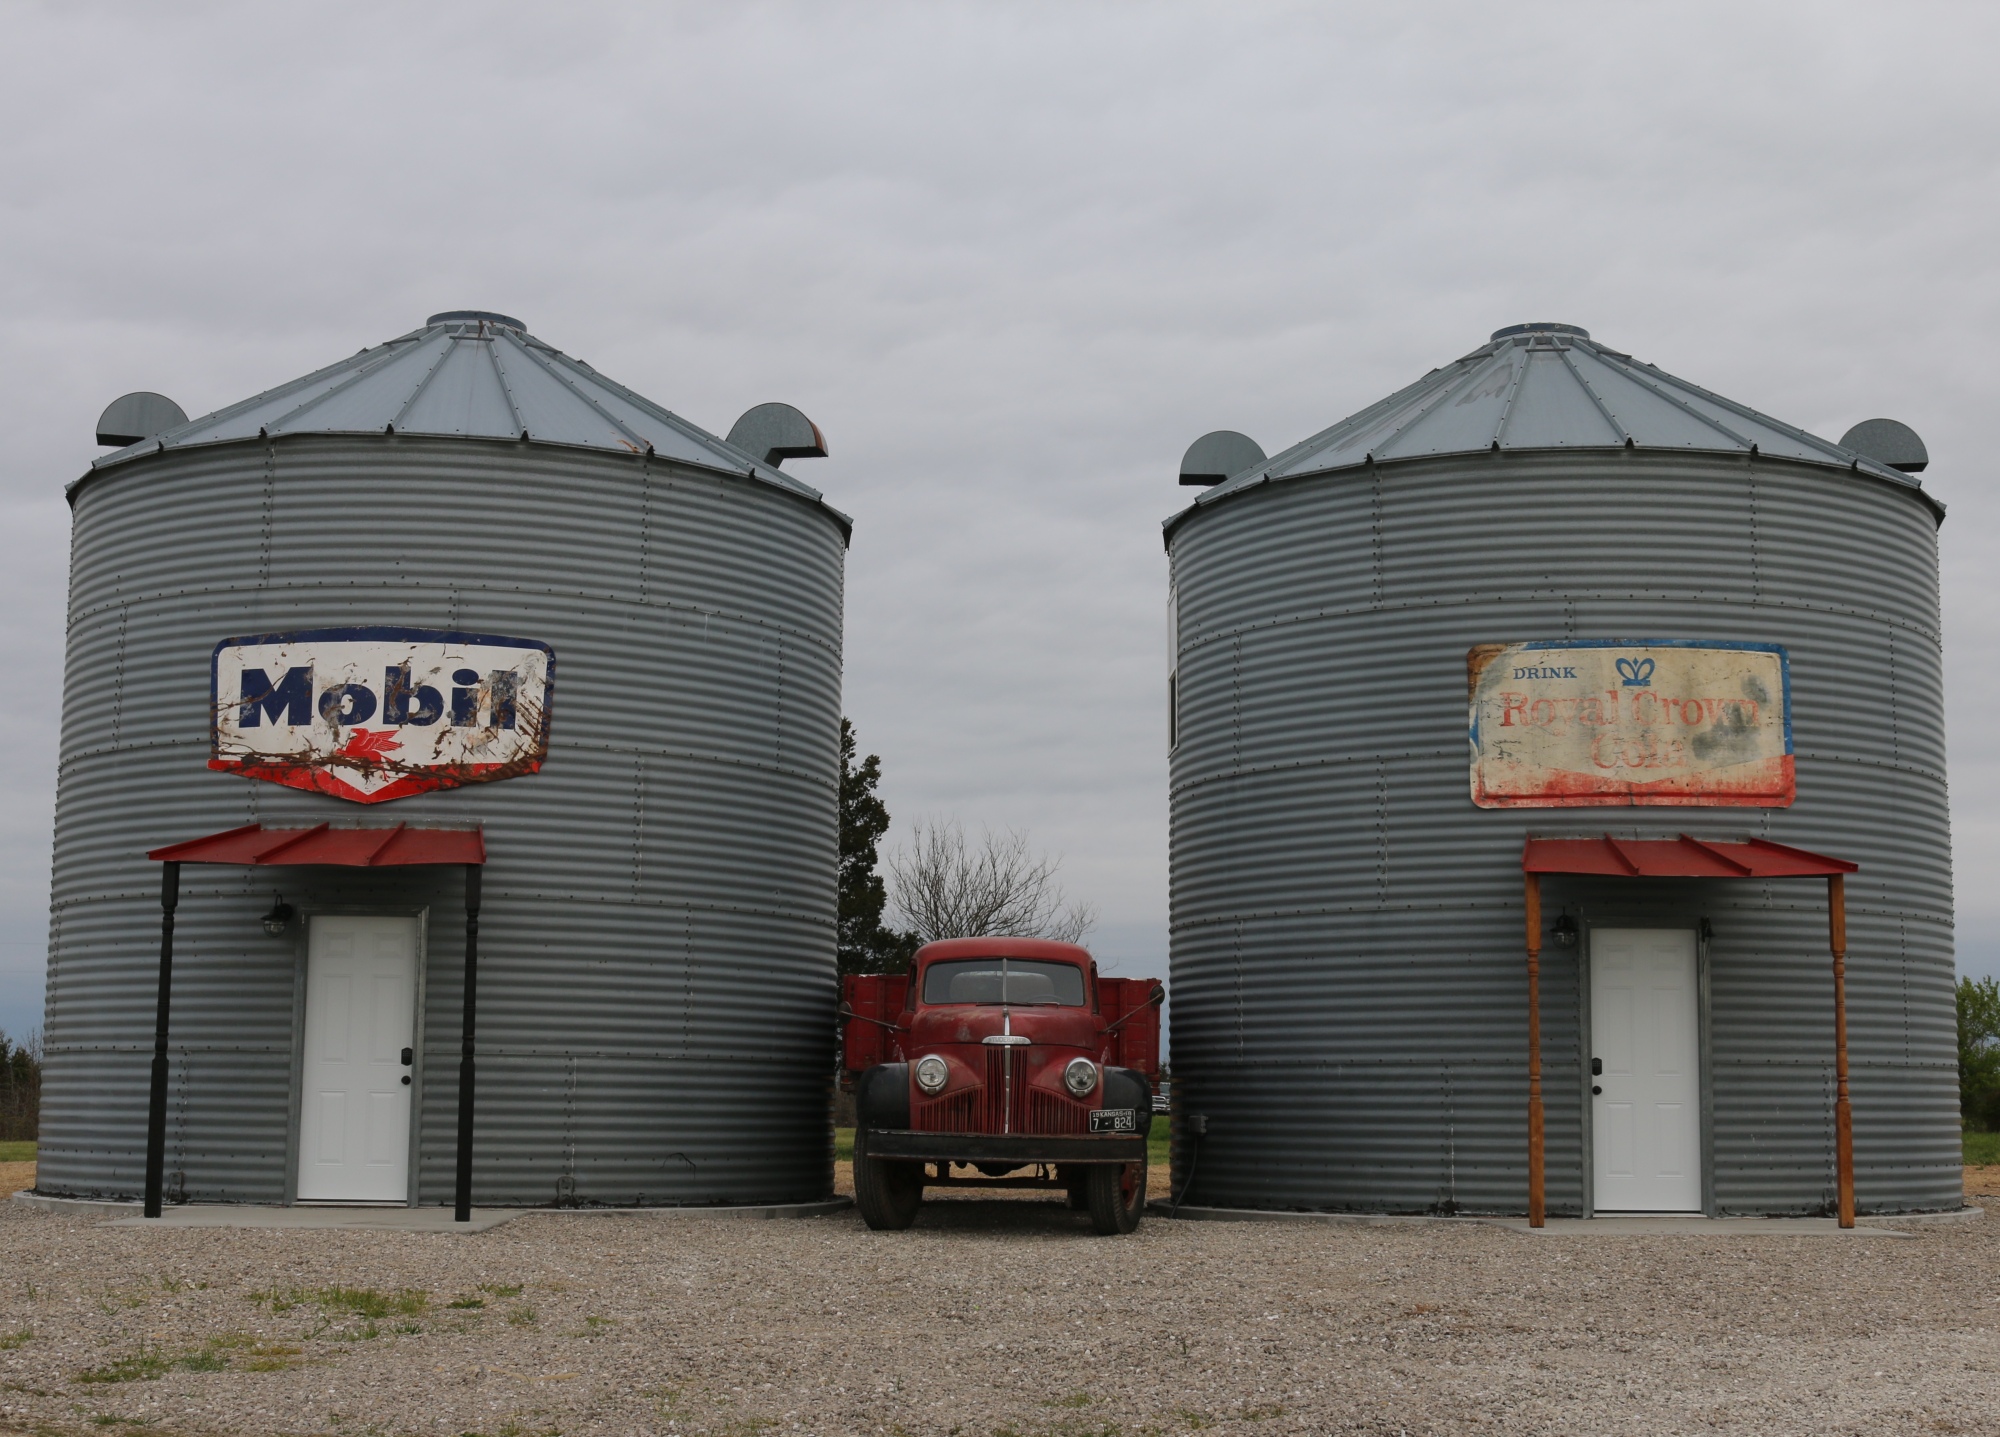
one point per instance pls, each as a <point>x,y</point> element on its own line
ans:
<point>398,847</point>
<point>1682,857</point>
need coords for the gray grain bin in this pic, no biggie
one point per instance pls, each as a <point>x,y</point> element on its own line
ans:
<point>454,558</point>
<point>1348,952</point>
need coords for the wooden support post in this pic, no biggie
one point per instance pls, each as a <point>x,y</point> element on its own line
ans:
<point>468,1024</point>
<point>156,1106</point>
<point>1537,1177</point>
<point>1843,1112</point>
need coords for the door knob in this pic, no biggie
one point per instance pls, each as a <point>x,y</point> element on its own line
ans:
<point>1595,1091</point>
<point>406,1080</point>
<point>409,1056</point>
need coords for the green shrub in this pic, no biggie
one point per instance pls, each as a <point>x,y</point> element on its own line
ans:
<point>20,1089</point>
<point>1979,1053</point>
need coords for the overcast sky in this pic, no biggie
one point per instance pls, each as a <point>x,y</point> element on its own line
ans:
<point>1012,258</point>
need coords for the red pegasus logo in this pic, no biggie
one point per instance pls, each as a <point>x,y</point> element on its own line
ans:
<point>370,744</point>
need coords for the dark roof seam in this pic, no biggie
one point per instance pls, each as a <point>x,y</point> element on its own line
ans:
<point>1445,392</point>
<point>640,442</point>
<point>450,348</point>
<point>1624,434</point>
<point>1824,446</point>
<point>1633,373</point>
<point>1314,443</point>
<point>277,426</point>
<point>1507,405</point>
<point>506,390</point>
<point>723,451</point>
<point>228,411</point>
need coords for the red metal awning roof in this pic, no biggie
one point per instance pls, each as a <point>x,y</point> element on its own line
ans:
<point>1682,857</point>
<point>398,847</point>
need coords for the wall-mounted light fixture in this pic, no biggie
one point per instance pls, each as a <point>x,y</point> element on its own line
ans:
<point>1565,931</point>
<point>279,918</point>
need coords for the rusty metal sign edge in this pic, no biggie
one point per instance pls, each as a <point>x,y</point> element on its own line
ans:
<point>310,777</point>
<point>1480,656</point>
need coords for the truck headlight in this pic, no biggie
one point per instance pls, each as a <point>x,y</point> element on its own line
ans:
<point>931,1073</point>
<point>1080,1077</point>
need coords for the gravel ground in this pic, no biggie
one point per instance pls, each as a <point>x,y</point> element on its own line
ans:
<point>988,1318</point>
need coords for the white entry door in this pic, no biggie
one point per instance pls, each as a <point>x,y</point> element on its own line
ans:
<point>1646,1100</point>
<point>354,1109</point>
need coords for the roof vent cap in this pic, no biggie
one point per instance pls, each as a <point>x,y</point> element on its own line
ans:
<point>1541,326</point>
<point>1890,442</point>
<point>141,415</point>
<point>465,316</point>
<point>1217,455</point>
<point>773,433</point>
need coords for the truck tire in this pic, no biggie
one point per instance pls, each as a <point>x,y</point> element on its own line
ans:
<point>888,1193</point>
<point>1117,1196</point>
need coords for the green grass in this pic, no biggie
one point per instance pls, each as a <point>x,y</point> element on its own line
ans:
<point>17,1152</point>
<point>361,1301</point>
<point>1982,1149</point>
<point>233,1350</point>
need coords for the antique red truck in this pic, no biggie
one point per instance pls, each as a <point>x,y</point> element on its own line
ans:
<point>994,1055</point>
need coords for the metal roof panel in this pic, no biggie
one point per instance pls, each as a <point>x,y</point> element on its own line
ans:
<point>1547,387</point>
<point>460,396</point>
<point>467,376</point>
<point>1554,409</point>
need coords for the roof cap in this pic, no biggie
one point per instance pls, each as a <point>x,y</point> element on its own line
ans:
<point>1540,326</point>
<point>486,315</point>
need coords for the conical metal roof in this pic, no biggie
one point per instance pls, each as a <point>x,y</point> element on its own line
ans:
<point>1547,386</point>
<point>466,374</point>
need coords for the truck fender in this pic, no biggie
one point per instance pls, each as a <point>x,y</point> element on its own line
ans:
<point>1128,1088</point>
<point>882,1097</point>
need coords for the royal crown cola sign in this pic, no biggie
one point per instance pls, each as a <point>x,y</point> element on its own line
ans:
<point>1670,722</point>
<point>373,714</point>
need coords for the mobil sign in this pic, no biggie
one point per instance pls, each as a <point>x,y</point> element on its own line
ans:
<point>1582,723</point>
<point>371,714</point>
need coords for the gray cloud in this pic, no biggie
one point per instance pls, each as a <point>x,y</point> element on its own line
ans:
<point>1012,258</point>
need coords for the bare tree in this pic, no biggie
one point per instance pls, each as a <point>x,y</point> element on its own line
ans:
<point>944,889</point>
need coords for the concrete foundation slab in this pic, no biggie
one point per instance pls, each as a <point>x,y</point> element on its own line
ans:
<point>1609,1226</point>
<point>394,1219</point>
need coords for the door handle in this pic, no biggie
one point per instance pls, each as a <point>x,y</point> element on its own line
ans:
<point>406,1080</point>
<point>1595,1091</point>
<point>409,1056</point>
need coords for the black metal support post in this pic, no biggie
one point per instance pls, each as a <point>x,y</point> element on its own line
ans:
<point>470,1023</point>
<point>156,1107</point>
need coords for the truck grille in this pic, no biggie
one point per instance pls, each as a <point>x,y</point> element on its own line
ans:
<point>979,1110</point>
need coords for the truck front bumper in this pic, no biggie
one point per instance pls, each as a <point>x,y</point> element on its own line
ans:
<point>1016,1148</point>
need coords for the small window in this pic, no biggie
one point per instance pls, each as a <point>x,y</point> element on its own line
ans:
<point>1024,982</point>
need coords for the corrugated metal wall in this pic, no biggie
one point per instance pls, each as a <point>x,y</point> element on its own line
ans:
<point>1349,996</point>
<point>656,974</point>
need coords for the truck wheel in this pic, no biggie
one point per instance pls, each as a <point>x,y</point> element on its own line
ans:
<point>888,1193</point>
<point>1117,1197</point>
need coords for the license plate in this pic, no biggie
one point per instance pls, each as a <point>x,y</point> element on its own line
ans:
<point>1114,1120</point>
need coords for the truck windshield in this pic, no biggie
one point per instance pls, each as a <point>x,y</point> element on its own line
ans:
<point>1030,982</point>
